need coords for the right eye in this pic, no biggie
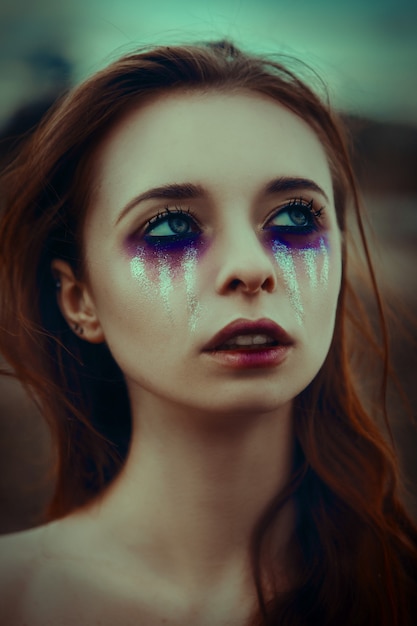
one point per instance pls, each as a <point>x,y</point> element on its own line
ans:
<point>171,226</point>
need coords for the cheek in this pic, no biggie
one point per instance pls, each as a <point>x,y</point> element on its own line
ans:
<point>304,267</point>
<point>167,272</point>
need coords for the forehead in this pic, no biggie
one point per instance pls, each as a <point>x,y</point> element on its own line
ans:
<point>230,139</point>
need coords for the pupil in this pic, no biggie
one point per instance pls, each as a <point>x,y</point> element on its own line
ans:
<point>178,225</point>
<point>299,217</point>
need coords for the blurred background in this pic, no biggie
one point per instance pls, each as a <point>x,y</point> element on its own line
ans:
<point>365,51</point>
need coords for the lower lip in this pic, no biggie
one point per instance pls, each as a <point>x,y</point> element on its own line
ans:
<point>250,359</point>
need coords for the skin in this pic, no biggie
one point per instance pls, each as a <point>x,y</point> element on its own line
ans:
<point>211,444</point>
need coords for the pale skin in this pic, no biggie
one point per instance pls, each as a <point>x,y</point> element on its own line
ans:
<point>168,542</point>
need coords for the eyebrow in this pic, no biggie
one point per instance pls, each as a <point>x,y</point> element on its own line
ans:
<point>278,185</point>
<point>189,191</point>
<point>173,191</point>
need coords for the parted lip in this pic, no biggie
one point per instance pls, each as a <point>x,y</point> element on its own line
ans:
<point>249,327</point>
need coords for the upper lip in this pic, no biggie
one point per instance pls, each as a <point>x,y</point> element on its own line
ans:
<point>249,327</point>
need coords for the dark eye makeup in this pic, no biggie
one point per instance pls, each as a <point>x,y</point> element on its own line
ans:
<point>172,225</point>
<point>298,218</point>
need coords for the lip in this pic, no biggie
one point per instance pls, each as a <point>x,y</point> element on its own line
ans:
<point>268,356</point>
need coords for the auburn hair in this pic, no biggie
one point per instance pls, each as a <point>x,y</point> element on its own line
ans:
<point>355,545</point>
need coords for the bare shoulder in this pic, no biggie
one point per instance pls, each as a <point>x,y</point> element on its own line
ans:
<point>20,556</point>
<point>67,573</point>
<point>38,573</point>
<point>62,574</point>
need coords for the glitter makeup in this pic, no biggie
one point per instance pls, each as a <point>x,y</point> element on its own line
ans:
<point>297,242</point>
<point>311,257</point>
<point>324,276</point>
<point>165,282</point>
<point>286,262</point>
<point>189,265</point>
<point>159,267</point>
<point>138,271</point>
<point>171,245</point>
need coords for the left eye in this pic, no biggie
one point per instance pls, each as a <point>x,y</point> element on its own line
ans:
<point>296,218</point>
<point>175,226</point>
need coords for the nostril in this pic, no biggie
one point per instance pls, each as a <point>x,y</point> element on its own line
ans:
<point>251,284</point>
<point>234,284</point>
<point>247,273</point>
<point>268,284</point>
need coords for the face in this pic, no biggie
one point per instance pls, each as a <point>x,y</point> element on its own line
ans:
<point>213,252</point>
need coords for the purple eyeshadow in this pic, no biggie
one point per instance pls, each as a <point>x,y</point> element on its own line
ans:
<point>172,246</point>
<point>170,252</point>
<point>295,241</point>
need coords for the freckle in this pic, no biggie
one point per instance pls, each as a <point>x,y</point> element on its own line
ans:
<point>189,267</point>
<point>285,260</point>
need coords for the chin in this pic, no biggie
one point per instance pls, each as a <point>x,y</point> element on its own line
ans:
<point>250,404</point>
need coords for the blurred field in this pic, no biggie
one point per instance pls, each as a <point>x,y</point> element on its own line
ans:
<point>395,222</point>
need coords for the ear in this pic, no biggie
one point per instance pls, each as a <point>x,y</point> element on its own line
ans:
<point>76,303</point>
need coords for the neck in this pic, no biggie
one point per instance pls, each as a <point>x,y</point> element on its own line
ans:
<point>194,486</point>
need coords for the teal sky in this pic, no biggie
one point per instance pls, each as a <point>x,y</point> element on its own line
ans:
<point>366,51</point>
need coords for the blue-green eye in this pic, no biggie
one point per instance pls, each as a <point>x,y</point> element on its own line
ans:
<point>297,217</point>
<point>172,225</point>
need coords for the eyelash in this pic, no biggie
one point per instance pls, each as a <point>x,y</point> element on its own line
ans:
<point>162,217</point>
<point>306,206</point>
<point>308,209</point>
<point>159,217</point>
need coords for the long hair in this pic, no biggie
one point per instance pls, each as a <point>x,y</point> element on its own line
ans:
<point>355,546</point>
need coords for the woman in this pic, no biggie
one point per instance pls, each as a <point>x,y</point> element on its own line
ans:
<point>174,295</point>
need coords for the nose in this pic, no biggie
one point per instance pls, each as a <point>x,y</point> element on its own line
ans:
<point>244,266</point>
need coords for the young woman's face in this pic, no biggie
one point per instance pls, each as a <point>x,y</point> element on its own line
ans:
<point>213,213</point>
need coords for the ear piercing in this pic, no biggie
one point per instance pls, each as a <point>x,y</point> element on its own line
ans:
<point>76,327</point>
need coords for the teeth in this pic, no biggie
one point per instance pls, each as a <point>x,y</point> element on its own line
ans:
<point>249,340</point>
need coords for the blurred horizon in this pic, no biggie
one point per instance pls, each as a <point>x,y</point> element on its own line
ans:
<point>366,52</point>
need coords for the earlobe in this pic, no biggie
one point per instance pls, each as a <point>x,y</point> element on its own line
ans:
<point>76,303</point>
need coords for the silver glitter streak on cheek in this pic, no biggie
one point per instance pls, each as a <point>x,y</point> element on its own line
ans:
<point>138,271</point>
<point>189,266</point>
<point>285,260</point>
<point>310,258</point>
<point>324,276</point>
<point>165,283</point>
